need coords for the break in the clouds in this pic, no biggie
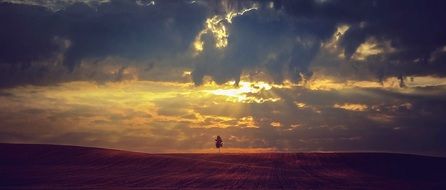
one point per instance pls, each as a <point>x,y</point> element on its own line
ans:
<point>178,117</point>
<point>159,75</point>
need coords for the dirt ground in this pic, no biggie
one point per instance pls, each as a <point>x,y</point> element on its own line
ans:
<point>70,167</point>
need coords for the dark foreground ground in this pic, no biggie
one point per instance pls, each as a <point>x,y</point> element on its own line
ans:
<point>68,167</point>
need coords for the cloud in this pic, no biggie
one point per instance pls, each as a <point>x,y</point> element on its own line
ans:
<point>79,33</point>
<point>277,46</point>
<point>56,5</point>
<point>352,107</point>
<point>371,44</point>
<point>224,40</point>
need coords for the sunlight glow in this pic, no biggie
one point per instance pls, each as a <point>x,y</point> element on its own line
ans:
<point>333,45</point>
<point>351,107</point>
<point>300,104</point>
<point>247,122</point>
<point>276,124</point>
<point>372,47</point>
<point>246,92</point>
<point>327,84</point>
<point>217,26</point>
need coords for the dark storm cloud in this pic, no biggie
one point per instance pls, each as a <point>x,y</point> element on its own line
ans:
<point>285,40</point>
<point>412,27</point>
<point>124,29</point>
<point>80,31</point>
<point>26,33</point>
<point>280,37</point>
<point>264,38</point>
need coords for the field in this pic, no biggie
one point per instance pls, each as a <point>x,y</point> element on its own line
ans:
<point>25,166</point>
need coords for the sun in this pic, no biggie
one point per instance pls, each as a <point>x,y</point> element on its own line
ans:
<point>246,92</point>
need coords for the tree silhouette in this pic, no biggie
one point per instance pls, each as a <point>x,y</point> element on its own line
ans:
<point>218,143</point>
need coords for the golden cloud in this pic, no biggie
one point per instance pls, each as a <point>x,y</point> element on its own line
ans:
<point>351,107</point>
<point>217,27</point>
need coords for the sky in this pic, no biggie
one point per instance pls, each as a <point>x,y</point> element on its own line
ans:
<point>268,76</point>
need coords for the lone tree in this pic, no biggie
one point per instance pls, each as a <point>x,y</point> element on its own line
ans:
<point>218,143</point>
